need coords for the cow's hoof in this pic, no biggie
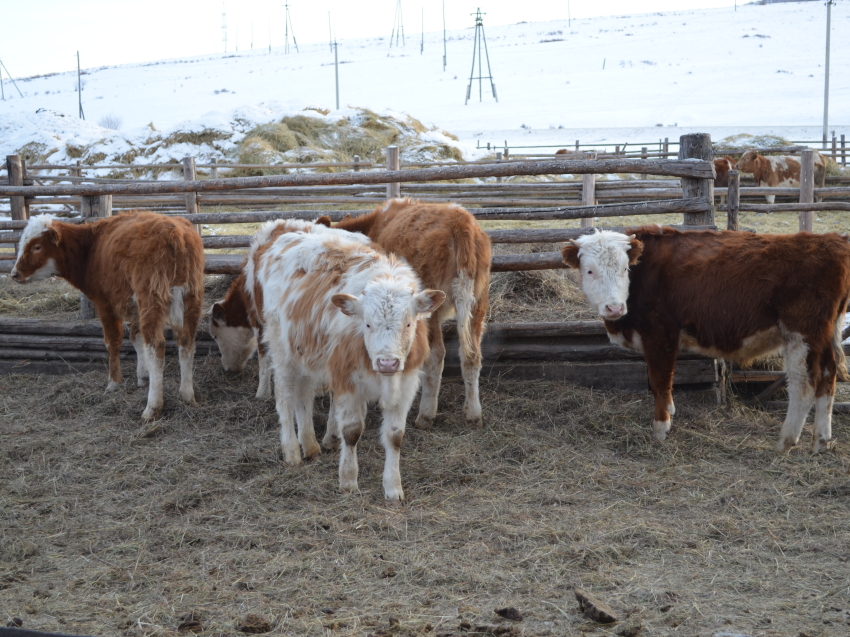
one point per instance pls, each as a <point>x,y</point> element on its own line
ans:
<point>424,422</point>
<point>330,443</point>
<point>820,445</point>
<point>112,386</point>
<point>348,486</point>
<point>312,450</point>
<point>395,502</point>
<point>188,398</point>
<point>150,414</point>
<point>263,395</point>
<point>784,445</point>
<point>141,382</point>
<point>475,423</point>
<point>292,458</point>
<point>660,429</point>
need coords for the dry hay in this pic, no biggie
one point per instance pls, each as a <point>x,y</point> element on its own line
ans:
<point>109,527</point>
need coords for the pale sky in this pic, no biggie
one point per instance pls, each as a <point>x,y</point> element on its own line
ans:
<point>43,37</point>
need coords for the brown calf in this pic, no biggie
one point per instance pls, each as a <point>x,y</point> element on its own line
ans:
<point>144,267</point>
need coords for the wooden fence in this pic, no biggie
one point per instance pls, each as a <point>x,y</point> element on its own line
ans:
<point>575,351</point>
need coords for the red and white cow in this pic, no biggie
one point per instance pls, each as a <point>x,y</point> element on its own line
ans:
<point>450,252</point>
<point>236,322</point>
<point>722,166</point>
<point>142,267</point>
<point>336,313</point>
<point>779,170</point>
<point>736,296</point>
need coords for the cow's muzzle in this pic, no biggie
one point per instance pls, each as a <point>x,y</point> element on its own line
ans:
<point>389,365</point>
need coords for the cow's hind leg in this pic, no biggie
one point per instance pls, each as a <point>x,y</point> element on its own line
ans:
<point>152,310</point>
<point>185,333</point>
<point>304,418</point>
<point>286,395</point>
<point>824,399</point>
<point>330,440</point>
<point>349,416</point>
<point>801,393</point>
<point>113,336</point>
<point>433,373</point>
<point>661,365</point>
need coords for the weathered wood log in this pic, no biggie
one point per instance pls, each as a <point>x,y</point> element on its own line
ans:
<point>93,207</point>
<point>698,146</point>
<point>588,191</point>
<point>15,170</point>
<point>191,197</point>
<point>691,169</point>
<point>807,189</point>
<point>672,206</point>
<point>734,200</point>
<point>559,235</point>
<point>823,206</point>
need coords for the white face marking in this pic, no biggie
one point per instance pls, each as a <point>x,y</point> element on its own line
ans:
<point>388,315</point>
<point>604,272</point>
<point>236,345</point>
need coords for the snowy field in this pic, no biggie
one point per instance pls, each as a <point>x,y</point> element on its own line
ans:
<point>633,79</point>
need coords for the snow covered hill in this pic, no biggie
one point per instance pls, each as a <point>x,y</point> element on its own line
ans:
<point>756,70</point>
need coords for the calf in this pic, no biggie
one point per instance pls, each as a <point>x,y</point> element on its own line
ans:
<point>236,322</point>
<point>722,167</point>
<point>780,170</point>
<point>450,252</point>
<point>336,313</point>
<point>144,267</point>
<point>737,296</point>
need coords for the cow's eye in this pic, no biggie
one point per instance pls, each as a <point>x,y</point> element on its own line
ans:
<point>36,248</point>
<point>590,272</point>
<point>368,327</point>
<point>409,324</point>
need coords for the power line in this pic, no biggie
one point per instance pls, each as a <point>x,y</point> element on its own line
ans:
<point>288,28</point>
<point>398,26</point>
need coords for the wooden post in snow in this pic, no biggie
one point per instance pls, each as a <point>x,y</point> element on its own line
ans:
<point>733,200</point>
<point>588,190</point>
<point>356,166</point>
<point>214,169</point>
<point>15,170</point>
<point>697,146</point>
<point>191,197</point>
<point>807,188</point>
<point>393,163</point>
<point>93,206</point>
<point>499,161</point>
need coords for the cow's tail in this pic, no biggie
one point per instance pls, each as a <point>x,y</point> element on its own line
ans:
<point>838,348</point>
<point>469,289</point>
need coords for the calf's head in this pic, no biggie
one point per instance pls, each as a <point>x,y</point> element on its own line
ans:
<point>234,335</point>
<point>37,251</point>
<point>387,312</point>
<point>603,261</point>
<point>747,162</point>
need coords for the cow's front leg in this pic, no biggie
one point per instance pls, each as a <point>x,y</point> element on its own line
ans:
<point>285,401</point>
<point>264,390</point>
<point>349,418</point>
<point>113,336</point>
<point>661,365</point>
<point>395,404</point>
<point>304,418</point>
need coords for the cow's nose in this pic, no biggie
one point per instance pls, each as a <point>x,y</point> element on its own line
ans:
<point>614,311</point>
<point>388,365</point>
<point>14,275</point>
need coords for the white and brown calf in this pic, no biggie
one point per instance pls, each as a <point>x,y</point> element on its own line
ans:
<point>338,314</point>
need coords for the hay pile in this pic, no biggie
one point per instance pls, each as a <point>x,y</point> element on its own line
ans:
<point>193,524</point>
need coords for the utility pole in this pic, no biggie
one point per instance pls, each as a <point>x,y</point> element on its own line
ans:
<point>422,41</point>
<point>336,72</point>
<point>444,35</point>
<point>2,90</point>
<point>223,28</point>
<point>479,43</point>
<point>826,75</point>
<point>569,19</point>
<point>80,88</point>
<point>252,35</point>
<point>398,26</point>
<point>288,21</point>
<point>11,79</point>
<point>330,33</point>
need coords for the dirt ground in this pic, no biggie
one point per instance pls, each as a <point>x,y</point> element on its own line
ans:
<point>195,524</point>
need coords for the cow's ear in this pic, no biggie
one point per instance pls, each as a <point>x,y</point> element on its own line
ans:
<point>429,300</point>
<point>53,235</point>
<point>324,220</point>
<point>569,253</point>
<point>218,315</point>
<point>635,250</point>
<point>347,304</point>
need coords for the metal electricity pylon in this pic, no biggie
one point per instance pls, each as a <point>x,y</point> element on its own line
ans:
<point>398,26</point>
<point>288,23</point>
<point>480,42</point>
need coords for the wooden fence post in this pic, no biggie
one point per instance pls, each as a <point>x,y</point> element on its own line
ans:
<point>588,190</point>
<point>843,151</point>
<point>393,163</point>
<point>733,200</point>
<point>834,147</point>
<point>93,206</point>
<point>214,169</point>
<point>498,161</point>
<point>697,146</point>
<point>807,188</point>
<point>192,207</point>
<point>577,145</point>
<point>357,163</point>
<point>15,170</point>
<point>666,148</point>
<point>644,152</point>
